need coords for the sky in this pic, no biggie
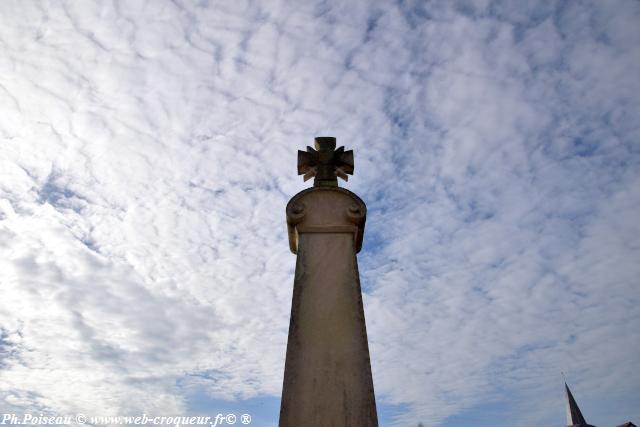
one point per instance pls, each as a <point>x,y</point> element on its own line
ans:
<point>148,150</point>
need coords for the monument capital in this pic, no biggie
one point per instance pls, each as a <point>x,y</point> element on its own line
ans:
<point>325,210</point>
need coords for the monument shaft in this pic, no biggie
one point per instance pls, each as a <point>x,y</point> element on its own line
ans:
<point>327,380</point>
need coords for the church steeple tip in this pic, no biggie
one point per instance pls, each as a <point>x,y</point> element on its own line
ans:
<point>574,416</point>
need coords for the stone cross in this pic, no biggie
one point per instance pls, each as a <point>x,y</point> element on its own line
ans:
<point>324,163</point>
<point>327,377</point>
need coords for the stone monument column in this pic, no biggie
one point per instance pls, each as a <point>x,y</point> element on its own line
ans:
<point>327,378</point>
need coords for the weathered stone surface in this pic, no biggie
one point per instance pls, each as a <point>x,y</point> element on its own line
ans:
<point>327,381</point>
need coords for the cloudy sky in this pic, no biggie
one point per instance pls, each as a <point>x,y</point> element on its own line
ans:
<point>148,149</point>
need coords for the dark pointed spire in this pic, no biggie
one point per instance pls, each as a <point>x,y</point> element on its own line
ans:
<point>574,416</point>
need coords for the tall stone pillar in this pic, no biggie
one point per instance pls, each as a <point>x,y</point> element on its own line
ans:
<point>327,378</point>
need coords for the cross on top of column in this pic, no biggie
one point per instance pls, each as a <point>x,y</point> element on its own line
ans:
<point>325,163</point>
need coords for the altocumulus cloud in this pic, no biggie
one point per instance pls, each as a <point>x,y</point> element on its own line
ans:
<point>148,150</point>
